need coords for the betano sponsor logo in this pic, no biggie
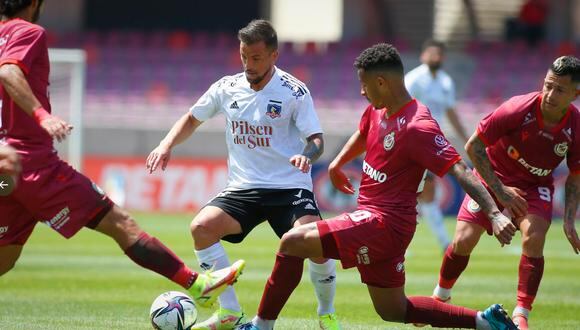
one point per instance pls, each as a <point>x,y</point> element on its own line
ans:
<point>514,154</point>
<point>251,135</point>
<point>374,174</point>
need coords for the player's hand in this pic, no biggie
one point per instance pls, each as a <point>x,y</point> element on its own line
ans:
<point>512,199</point>
<point>503,229</point>
<point>9,161</point>
<point>161,154</point>
<point>56,127</point>
<point>302,162</point>
<point>572,236</point>
<point>340,180</point>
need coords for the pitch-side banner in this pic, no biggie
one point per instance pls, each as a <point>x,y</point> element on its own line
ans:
<point>188,184</point>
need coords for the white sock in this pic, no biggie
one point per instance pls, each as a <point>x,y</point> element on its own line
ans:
<point>431,213</point>
<point>442,292</point>
<point>481,323</point>
<point>215,256</point>
<point>323,277</point>
<point>263,324</point>
<point>521,311</point>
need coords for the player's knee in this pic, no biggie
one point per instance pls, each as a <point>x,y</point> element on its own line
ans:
<point>390,315</point>
<point>202,231</point>
<point>462,245</point>
<point>534,242</point>
<point>292,242</point>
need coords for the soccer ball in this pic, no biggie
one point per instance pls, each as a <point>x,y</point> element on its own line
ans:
<point>173,310</point>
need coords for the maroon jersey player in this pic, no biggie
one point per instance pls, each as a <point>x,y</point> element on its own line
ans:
<point>49,190</point>
<point>402,141</point>
<point>515,150</point>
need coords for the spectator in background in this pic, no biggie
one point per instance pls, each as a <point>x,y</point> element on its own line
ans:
<point>530,23</point>
<point>433,87</point>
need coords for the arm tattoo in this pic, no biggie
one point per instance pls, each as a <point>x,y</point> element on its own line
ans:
<point>473,187</point>
<point>314,148</point>
<point>481,162</point>
<point>571,204</point>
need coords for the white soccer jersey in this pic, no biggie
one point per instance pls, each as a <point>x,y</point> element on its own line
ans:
<point>437,93</point>
<point>263,129</point>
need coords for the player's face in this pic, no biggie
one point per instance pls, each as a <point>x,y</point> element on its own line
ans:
<point>558,92</point>
<point>370,88</point>
<point>258,61</point>
<point>433,56</point>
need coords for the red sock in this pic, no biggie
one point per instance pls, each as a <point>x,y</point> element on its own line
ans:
<point>284,279</point>
<point>148,252</point>
<point>530,275</point>
<point>426,310</point>
<point>451,268</point>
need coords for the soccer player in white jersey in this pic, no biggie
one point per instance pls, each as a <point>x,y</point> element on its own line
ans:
<point>433,87</point>
<point>273,135</point>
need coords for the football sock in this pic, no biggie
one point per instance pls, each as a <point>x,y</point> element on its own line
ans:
<point>215,256</point>
<point>323,277</point>
<point>426,310</point>
<point>284,279</point>
<point>148,252</point>
<point>431,213</point>
<point>481,323</point>
<point>531,271</point>
<point>263,324</point>
<point>451,268</point>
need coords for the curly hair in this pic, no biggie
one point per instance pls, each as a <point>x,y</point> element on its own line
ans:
<point>259,30</point>
<point>380,57</point>
<point>9,8</point>
<point>567,65</point>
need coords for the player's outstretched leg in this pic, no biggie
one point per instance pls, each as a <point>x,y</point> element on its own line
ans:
<point>208,286</point>
<point>222,319</point>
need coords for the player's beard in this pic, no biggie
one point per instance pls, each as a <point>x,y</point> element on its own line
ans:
<point>258,79</point>
<point>434,66</point>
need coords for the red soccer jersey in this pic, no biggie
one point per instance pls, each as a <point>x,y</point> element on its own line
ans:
<point>522,151</point>
<point>24,44</point>
<point>398,151</point>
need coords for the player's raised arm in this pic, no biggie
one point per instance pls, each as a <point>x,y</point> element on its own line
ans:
<point>572,189</point>
<point>510,197</point>
<point>181,130</point>
<point>503,228</point>
<point>353,148</point>
<point>312,151</point>
<point>14,82</point>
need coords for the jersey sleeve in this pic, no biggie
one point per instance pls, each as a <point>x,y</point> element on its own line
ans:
<point>208,104</point>
<point>23,48</point>
<point>497,124</point>
<point>431,149</point>
<point>364,124</point>
<point>305,116</point>
<point>573,156</point>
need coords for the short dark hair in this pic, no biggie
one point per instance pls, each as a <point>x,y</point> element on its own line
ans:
<point>380,57</point>
<point>433,43</point>
<point>9,8</point>
<point>567,65</point>
<point>259,30</point>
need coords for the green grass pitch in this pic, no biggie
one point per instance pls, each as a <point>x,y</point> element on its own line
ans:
<point>88,283</point>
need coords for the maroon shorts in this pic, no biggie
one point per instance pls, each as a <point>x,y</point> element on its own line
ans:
<point>539,203</point>
<point>368,241</point>
<point>56,195</point>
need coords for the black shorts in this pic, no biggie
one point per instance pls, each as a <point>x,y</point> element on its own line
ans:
<point>280,207</point>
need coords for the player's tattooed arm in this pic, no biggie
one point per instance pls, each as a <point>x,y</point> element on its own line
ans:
<point>314,147</point>
<point>312,151</point>
<point>510,197</point>
<point>571,206</point>
<point>503,228</point>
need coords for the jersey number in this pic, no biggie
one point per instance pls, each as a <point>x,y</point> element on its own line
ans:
<point>359,215</point>
<point>545,194</point>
